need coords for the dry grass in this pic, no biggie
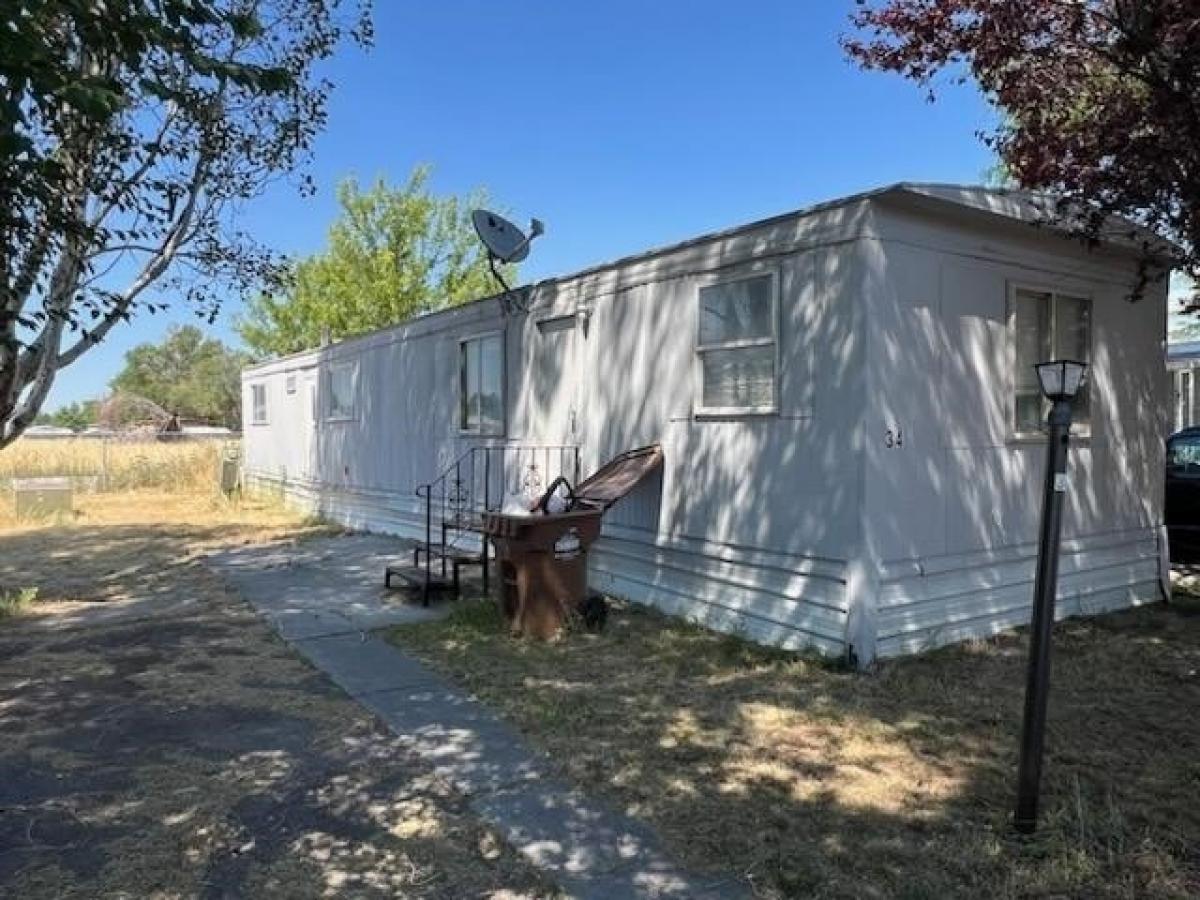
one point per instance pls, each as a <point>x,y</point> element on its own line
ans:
<point>144,540</point>
<point>815,781</point>
<point>177,465</point>
<point>188,752</point>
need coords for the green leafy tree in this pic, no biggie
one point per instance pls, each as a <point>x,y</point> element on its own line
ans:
<point>130,131</point>
<point>392,253</point>
<point>76,416</point>
<point>187,374</point>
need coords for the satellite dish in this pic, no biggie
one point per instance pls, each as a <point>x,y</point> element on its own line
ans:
<point>505,244</point>
<point>503,239</point>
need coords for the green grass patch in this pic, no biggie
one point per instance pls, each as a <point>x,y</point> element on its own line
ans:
<point>13,603</point>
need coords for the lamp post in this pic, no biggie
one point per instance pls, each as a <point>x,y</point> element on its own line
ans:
<point>1060,381</point>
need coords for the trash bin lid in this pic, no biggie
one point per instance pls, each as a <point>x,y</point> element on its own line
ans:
<point>618,476</point>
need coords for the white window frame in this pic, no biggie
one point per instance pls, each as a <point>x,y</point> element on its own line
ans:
<point>701,410</point>
<point>1077,429</point>
<point>351,416</point>
<point>255,418</point>
<point>289,383</point>
<point>1183,399</point>
<point>458,381</point>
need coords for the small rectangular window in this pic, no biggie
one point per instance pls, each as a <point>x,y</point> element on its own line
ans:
<point>1048,325</point>
<point>290,383</point>
<point>1183,399</point>
<point>737,346</point>
<point>341,390</point>
<point>481,384</point>
<point>258,404</point>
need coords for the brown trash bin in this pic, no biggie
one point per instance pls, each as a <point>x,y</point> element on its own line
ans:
<point>543,558</point>
<point>543,566</point>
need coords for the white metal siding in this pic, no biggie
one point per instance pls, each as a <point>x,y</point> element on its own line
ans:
<point>953,515</point>
<point>785,527</point>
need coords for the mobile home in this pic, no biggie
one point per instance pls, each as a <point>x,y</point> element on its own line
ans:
<point>845,402</point>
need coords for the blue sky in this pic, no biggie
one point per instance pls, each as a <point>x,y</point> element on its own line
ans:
<point>622,125</point>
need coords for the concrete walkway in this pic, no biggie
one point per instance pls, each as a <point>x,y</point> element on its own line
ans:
<point>325,597</point>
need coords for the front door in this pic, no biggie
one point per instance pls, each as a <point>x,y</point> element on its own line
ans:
<point>559,343</point>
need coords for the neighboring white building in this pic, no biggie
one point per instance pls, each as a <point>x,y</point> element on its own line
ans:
<point>48,431</point>
<point>1183,362</point>
<point>845,400</point>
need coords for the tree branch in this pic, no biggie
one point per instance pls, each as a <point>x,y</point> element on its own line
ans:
<point>150,272</point>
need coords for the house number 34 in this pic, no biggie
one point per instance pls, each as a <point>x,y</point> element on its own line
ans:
<point>893,437</point>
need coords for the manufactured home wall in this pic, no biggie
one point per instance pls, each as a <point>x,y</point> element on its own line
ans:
<point>747,527</point>
<point>803,528</point>
<point>953,510</point>
<point>363,470</point>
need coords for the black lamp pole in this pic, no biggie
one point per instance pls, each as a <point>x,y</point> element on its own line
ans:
<point>1037,686</point>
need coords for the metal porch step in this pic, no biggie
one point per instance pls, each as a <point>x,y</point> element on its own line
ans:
<point>464,556</point>
<point>414,578</point>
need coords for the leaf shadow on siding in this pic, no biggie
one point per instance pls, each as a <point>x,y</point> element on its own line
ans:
<point>957,534</point>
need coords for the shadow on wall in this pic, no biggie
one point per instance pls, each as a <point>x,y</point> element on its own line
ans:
<point>874,338</point>
<point>971,493</point>
<point>786,482</point>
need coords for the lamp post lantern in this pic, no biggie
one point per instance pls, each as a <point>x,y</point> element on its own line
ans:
<point>1060,381</point>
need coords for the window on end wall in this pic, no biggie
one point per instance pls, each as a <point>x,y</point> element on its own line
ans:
<point>737,346</point>
<point>1048,325</point>
<point>258,404</point>
<point>481,384</point>
<point>341,391</point>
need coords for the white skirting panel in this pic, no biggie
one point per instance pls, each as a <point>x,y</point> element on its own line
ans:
<point>800,602</point>
<point>787,601</point>
<point>382,512</point>
<point>937,601</point>
<point>793,602</point>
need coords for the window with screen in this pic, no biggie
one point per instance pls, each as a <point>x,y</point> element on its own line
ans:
<point>1048,325</point>
<point>481,384</point>
<point>341,381</point>
<point>737,346</point>
<point>258,404</point>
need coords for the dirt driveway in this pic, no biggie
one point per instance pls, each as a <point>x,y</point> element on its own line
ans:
<point>184,751</point>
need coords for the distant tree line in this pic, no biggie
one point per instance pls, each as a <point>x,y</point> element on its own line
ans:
<point>191,376</point>
<point>75,416</point>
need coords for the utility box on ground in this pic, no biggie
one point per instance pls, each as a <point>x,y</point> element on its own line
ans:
<point>230,470</point>
<point>42,497</point>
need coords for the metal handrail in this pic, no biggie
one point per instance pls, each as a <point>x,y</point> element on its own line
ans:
<point>465,505</point>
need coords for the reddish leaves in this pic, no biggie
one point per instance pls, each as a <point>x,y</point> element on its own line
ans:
<point>1101,97</point>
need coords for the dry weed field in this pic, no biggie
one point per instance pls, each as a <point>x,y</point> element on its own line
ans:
<point>117,464</point>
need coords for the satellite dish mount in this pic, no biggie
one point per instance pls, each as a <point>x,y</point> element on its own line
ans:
<point>505,244</point>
